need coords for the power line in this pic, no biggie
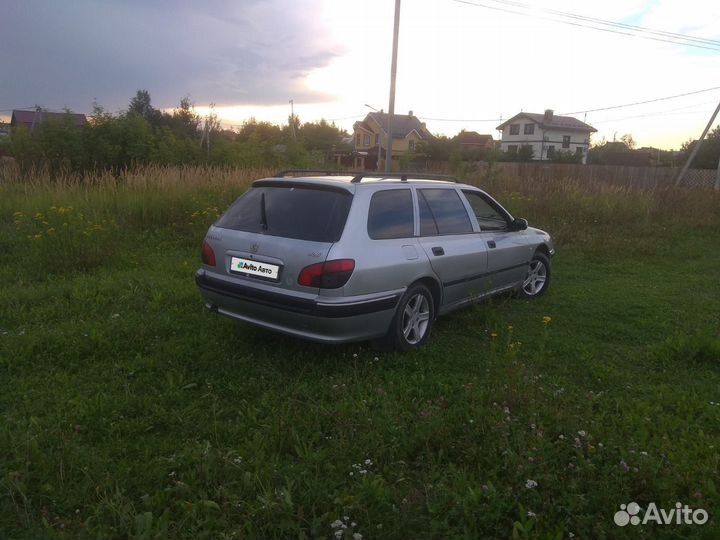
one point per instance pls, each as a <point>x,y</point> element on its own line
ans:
<point>644,102</point>
<point>650,115</point>
<point>612,31</point>
<point>625,26</point>
<point>665,98</point>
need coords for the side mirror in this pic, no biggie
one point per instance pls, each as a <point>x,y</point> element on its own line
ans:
<point>520,224</point>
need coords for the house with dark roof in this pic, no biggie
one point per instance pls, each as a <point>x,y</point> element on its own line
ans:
<point>546,133</point>
<point>370,135</point>
<point>472,140</point>
<point>31,119</point>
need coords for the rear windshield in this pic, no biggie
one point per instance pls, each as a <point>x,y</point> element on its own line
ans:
<point>304,213</point>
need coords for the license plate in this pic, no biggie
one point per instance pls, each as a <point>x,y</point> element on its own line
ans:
<point>254,268</point>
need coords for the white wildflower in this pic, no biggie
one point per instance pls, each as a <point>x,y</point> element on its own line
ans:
<point>531,484</point>
<point>581,433</point>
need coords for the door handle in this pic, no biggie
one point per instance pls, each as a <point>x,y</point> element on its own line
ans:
<point>437,250</point>
<point>491,244</point>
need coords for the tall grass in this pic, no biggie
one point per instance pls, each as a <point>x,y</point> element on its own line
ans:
<point>77,221</point>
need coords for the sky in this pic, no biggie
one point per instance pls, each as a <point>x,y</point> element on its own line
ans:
<point>460,66</point>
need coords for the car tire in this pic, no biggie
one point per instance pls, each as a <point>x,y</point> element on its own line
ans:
<point>537,280</point>
<point>413,321</point>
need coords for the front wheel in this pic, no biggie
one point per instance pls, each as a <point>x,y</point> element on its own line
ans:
<point>413,321</point>
<point>537,280</point>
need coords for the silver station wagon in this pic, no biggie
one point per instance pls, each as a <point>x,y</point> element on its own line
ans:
<point>338,257</point>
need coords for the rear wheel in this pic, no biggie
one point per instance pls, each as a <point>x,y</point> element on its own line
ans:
<point>537,280</point>
<point>413,321</point>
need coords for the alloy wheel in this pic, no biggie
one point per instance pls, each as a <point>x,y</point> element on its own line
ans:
<point>536,278</point>
<point>415,319</point>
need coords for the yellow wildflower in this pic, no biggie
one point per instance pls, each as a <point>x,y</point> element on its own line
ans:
<point>547,319</point>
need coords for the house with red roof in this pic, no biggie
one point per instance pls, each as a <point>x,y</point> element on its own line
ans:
<point>31,119</point>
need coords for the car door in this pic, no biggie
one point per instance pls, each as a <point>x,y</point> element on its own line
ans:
<point>507,253</point>
<point>448,239</point>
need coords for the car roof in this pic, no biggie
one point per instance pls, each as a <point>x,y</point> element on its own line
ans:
<point>351,183</point>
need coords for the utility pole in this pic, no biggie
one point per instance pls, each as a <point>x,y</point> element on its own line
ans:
<point>697,147</point>
<point>205,139</point>
<point>292,121</point>
<point>393,74</point>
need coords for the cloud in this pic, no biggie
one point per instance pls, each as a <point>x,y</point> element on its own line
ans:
<point>251,52</point>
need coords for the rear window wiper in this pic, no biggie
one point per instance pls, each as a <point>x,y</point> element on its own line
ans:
<point>263,213</point>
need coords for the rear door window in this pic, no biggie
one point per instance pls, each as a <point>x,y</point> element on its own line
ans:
<point>303,213</point>
<point>391,214</point>
<point>442,212</point>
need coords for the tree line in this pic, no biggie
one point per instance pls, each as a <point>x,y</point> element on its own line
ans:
<point>142,134</point>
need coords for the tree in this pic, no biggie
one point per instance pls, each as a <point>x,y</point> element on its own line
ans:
<point>56,144</point>
<point>141,105</point>
<point>628,141</point>
<point>708,154</point>
<point>620,152</point>
<point>526,153</point>
<point>185,121</point>
<point>439,148</point>
<point>322,136</point>
<point>565,156</point>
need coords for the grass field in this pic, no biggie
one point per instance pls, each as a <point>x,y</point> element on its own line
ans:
<point>129,411</point>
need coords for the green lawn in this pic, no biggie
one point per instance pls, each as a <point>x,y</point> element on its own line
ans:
<point>129,411</point>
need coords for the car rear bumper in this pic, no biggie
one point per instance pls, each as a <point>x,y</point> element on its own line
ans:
<point>322,319</point>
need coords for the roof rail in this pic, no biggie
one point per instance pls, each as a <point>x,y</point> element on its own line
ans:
<point>359,175</point>
<point>323,172</point>
<point>404,176</point>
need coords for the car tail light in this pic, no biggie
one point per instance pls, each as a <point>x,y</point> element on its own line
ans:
<point>208,255</point>
<point>327,275</point>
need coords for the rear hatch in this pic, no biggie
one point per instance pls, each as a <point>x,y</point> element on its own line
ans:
<point>276,229</point>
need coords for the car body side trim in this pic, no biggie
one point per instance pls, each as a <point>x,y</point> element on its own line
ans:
<point>484,274</point>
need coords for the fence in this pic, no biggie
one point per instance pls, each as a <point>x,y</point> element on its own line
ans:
<point>633,177</point>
